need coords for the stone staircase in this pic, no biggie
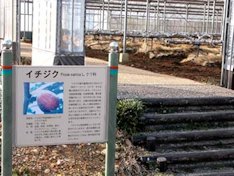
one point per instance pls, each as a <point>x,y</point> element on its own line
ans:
<point>194,135</point>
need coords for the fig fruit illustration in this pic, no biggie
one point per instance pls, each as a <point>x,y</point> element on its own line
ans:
<point>48,101</point>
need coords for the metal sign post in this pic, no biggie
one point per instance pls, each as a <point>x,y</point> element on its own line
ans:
<point>113,64</point>
<point>6,63</point>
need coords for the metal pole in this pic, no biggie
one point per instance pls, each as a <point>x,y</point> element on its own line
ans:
<point>24,18</point>
<point>158,17</point>
<point>204,19</point>
<point>4,18</point>
<point>28,14</point>
<point>216,23</point>
<point>213,16</point>
<point>103,14</point>
<point>125,27</point>
<point>121,15</point>
<point>224,19</point>
<point>32,16</point>
<point>108,15</point>
<point>13,20</point>
<point>110,155</point>
<point>137,22</point>
<point>154,19</point>
<point>208,16</point>
<point>6,62</point>
<point>130,19</point>
<point>100,18</point>
<point>18,27</point>
<point>72,27</point>
<point>110,19</point>
<point>164,25</point>
<point>186,25</point>
<point>147,17</point>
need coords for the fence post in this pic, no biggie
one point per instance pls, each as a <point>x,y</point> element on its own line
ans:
<point>6,113</point>
<point>110,154</point>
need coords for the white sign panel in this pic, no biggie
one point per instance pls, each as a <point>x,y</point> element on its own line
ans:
<point>60,105</point>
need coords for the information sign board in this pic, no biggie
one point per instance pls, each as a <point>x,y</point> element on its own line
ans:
<point>60,105</point>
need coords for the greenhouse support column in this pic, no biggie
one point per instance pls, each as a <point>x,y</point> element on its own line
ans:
<point>110,155</point>
<point>72,27</point>
<point>158,17</point>
<point>103,14</point>
<point>137,22</point>
<point>100,19</point>
<point>186,25</point>
<point>130,19</point>
<point>110,19</point>
<point>204,20</point>
<point>108,15</point>
<point>223,26</point>
<point>154,19</point>
<point>24,19</point>
<point>216,22</point>
<point>28,15</point>
<point>18,27</point>
<point>164,18</point>
<point>208,17</point>
<point>6,114</point>
<point>121,16</point>
<point>125,27</point>
<point>213,16</point>
<point>32,16</point>
<point>147,17</point>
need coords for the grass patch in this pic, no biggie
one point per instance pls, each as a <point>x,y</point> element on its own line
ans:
<point>129,112</point>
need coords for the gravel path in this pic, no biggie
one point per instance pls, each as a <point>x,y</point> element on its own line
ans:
<point>136,83</point>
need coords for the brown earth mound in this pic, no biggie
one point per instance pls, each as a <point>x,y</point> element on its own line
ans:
<point>199,63</point>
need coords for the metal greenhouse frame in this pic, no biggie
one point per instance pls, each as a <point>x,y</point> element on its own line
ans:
<point>207,21</point>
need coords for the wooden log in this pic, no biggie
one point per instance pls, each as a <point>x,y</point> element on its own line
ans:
<point>185,157</point>
<point>196,135</point>
<point>187,117</point>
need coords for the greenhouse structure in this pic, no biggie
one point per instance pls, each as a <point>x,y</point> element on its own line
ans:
<point>201,21</point>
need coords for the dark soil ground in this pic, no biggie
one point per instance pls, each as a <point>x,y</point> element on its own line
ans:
<point>170,66</point>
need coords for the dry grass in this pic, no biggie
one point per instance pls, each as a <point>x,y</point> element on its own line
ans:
<point>153,48</point>
<point>214,50</point>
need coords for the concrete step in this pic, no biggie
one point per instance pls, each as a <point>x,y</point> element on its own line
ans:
<point>195,135</point>
<point>186,126</point>
<point>214,116</point>
<point>188,157</point>
<point>165,106</point>
<point>210,101</point>
<point>172,136</point>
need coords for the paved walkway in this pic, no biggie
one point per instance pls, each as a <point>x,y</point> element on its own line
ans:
<point>136,83</point>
